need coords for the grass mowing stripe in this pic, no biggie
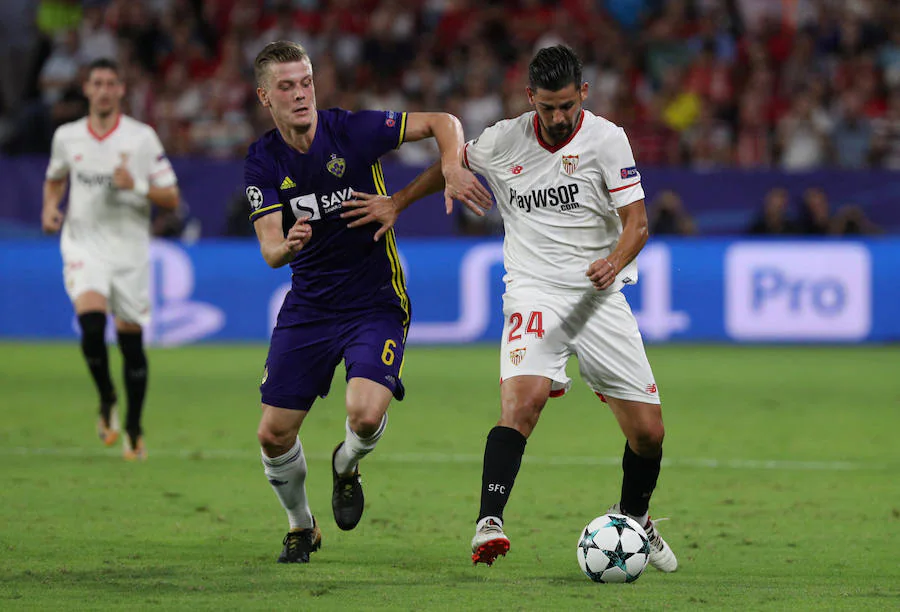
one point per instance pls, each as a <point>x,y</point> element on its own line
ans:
<point>442,458</point>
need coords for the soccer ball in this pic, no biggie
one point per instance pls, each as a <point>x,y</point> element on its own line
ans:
<point>613,548</point>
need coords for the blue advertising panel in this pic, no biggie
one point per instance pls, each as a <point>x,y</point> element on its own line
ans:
<point>689,290</point>
<point>213,191</point>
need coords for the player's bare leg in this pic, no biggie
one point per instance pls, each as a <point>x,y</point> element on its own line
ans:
<point>521,400</point>
<point>285,468</point>
<point>643,427</point>
<point>134,371</point>
<point>367,404</point>
<point>91,307</point>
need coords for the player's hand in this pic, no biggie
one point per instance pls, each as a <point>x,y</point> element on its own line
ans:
<point>602,273</point>
<point>367,208</point>
<point>122,178</point>
<point>51,220</point>
<point>297,237</point>
<point>464,186</point>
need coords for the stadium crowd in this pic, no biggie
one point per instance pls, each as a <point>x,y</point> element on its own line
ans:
<point>703,84</point>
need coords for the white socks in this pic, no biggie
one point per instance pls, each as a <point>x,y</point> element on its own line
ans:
<point>355,448</point>
<point>287,475</point>
<point>481,523</point>
<point>641,520</point>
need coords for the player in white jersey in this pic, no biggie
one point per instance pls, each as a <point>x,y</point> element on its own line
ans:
<point>115,168</point>
<point>572,204</point>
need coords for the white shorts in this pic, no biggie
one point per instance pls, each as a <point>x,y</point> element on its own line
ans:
<point>126,287</point>
<point>541,331</point>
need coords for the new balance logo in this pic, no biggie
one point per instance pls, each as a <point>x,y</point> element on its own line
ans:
<point>277,482</point>
<point>288,183</point>
<point>651,388</point>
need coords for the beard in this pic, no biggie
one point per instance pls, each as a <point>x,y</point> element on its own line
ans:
<point>560,131</point>
<point>104,112</point>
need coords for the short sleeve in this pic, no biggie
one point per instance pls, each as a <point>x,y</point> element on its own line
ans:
<point>477,153</point>
<point>58,167</point>
<point>260,187</point>
<point>620,171</point>
<point>161,173</point>
<point>378,131</point>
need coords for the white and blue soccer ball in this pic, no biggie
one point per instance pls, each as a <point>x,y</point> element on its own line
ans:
<point>613,548</point>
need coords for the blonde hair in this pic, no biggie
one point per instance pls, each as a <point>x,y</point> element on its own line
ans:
<point>278,52</point>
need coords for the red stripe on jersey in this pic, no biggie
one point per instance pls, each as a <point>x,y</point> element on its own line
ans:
<point>105,136</point>
<point>556,147</point>
<point>624,187</point>
<point>466,155</point>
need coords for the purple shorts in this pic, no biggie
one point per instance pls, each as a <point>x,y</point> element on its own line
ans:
<point>304,352</point>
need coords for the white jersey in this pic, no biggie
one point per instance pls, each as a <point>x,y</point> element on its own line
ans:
<point>101,221</point>
<point>558,202</point>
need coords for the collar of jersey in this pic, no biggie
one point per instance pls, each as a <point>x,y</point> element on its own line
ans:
<point>555,148</point>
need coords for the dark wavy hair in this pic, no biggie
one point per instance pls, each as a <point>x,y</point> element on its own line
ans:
<point>553,68</point>
<point>102,63</point>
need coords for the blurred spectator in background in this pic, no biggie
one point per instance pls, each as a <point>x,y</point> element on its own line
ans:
<point>668,217</point>
<point>886,141</point>
<point>803,134</point>
<point>18,53</point>
<point>60,70</point>
<point>97,38</point>
<point>773,218</point>
<point>851,220</point>
<point>707,143</point>
<point>703,84</point>
<point>815,215</point>
<point>220,133</point>
<point>852,133</point>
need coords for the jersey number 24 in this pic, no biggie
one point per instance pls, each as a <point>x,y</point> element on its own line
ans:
<point>535,325</point>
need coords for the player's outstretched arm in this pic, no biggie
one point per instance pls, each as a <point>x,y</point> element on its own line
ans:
<point>461,184</point>
<point>367,208</point>
<point>633,238</point>
<point>278,249</point>
<point>51,215</point>
<point>370,208</point>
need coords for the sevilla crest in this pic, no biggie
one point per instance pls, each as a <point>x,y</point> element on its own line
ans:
<point>569,163</point>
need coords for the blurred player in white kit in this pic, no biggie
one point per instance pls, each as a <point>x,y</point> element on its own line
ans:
<point>116,169</point>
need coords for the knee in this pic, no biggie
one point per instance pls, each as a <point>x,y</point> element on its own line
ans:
<point>365,423</point>
<point>522,414</point>
<point>92,324</point>
<point>274,442</point>
<point>647,441</point>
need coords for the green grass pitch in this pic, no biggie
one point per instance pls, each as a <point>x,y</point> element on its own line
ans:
<point>781,480</point>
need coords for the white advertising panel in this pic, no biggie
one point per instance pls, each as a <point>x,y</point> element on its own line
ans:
<point>798,291</point>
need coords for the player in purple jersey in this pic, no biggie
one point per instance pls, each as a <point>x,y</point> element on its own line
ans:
<point>348,296</point>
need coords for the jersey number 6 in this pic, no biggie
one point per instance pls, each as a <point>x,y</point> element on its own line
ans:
<point>387,355</point>
<point>535,325</point>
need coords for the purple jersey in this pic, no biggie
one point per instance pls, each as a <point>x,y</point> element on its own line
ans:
<point>340,268</point>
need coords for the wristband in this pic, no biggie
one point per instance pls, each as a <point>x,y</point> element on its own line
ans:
<point>141,187</point>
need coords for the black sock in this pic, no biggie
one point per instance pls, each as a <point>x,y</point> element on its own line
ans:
<point>135,368</point>
<point>93,347</point>
<point>638,481</point>
<point>502,458</point>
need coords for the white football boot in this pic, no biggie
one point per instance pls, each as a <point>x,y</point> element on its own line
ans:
<point>661,555</point>
<point>489,542</point>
